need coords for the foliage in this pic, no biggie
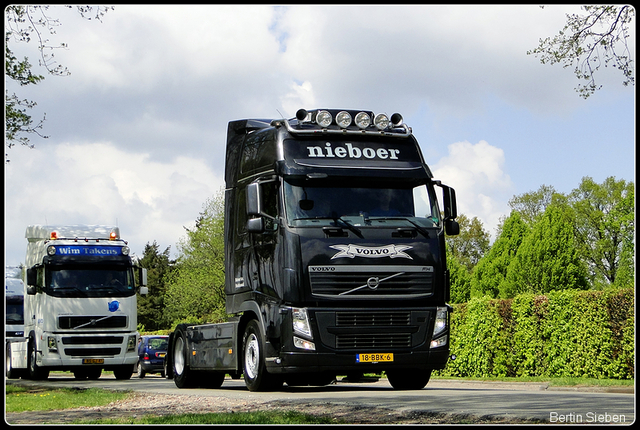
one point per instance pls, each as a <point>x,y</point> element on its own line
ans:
<point>547,260</point>
<point>590,41</point>
<point>471,244</point>
<point>460,280</point>
<point>151,307</point>
<point>560,334</point>
<point>604,230</point>
<point>22,24</point>
<point>195,289</point>
<point>490,274</point>
<point>532,205</point>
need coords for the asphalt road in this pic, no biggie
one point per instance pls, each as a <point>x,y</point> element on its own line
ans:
<point>482,399</point>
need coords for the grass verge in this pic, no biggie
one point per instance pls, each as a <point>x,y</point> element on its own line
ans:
<point>21,399</point>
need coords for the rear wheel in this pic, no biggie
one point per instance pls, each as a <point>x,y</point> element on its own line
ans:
<point>256,376</point>
<point>140,372</point>
<point>408,379</point>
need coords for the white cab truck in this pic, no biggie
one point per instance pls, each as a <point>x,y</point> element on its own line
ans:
<point>80,306</point>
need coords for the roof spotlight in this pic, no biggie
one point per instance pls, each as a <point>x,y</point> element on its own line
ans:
<point>381,121</point>
<point>363,120</point>
<point>343,119</point>
<point>324,118</point>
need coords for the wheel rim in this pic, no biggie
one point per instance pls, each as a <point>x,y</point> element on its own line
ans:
<point>178,356</point>
<point>252,356</point>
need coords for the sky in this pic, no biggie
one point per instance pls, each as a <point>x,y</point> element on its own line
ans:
<point>137,130</point>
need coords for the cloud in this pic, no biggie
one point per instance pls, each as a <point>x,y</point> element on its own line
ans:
<point>98,183</point>
<point>476,172</point>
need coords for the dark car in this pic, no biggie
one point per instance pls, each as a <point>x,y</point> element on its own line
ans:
<point>151,353</point>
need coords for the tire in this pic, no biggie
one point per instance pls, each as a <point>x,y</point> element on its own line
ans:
<point>35,372</point>
<point>10,372</point>
<point>183,376</point>
<point>256,376</point>
<point>123,372</point>
<point>139,370</point>
<point>408,379</point>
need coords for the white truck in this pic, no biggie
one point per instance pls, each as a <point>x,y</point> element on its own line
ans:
<point>80,306</point>
<point>14,305</point>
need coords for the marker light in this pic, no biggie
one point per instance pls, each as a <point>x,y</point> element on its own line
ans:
<point>324,118</point>
<point>343,119</point>
<point>301,115</point>
<point>363,120</point>
<point>381,121</point>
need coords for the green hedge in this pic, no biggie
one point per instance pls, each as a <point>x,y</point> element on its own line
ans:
<point>561,334</point>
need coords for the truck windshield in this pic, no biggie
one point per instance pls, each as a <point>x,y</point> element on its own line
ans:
<point>308,206</point>
<point>15,310</point>
<point>65,281</point>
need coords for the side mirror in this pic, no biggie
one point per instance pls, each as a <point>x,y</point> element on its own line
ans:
<point>450,206</point>
<point>143,277</point>
<point>254,206</point>
<point>32,276</point>
<point>451,227</point>
<point>32,290</point>
<point>144,291</point>
<point>255,225</point>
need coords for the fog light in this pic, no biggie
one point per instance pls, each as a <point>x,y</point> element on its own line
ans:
<point>441,341</point>
<point>303,344</point>
<point>51,250</point>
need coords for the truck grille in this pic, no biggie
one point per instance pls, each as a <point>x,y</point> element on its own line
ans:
<point>92,322</point>
<point>363,341</point>
<point>92,340</point>
<point>390,318</point>
<point>91,352</point>
<point>371,281</point>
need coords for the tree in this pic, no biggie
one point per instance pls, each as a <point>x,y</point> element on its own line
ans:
<point>195,289</point>
<point>489,275</point>
<point>605,230</point>
<point>589,42</point>
<point>22,24</point>
<point>471,244</point>
<point>532,205</point>
<point>151,307</point>
<point>548,258</point>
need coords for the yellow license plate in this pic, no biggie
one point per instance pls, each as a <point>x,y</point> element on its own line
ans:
<point>93,361</point>
<point>161,355</point>
<point>374,358</point>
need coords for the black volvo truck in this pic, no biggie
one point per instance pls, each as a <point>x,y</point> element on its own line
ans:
<point>335,258</point>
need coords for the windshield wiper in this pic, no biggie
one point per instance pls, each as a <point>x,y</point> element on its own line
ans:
<point>346,223</point>
<point>418,227</point>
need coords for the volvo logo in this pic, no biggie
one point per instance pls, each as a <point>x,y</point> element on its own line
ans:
<point>373,282</point>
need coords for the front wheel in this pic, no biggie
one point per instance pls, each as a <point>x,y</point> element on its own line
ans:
<point>35,371</point>
<point>123,372</point>
<point>183,376</point>
<point>256,376</point>
<point>408,379</point>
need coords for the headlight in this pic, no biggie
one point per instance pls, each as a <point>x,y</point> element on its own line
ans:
<point>301,322</point>
<point>381,121</point>
<point>324,118</point>
<point>441,321</point>
<point>131,343</point>
<point>363,120</point>
<point>52,344</point>
<point>343,119</point>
